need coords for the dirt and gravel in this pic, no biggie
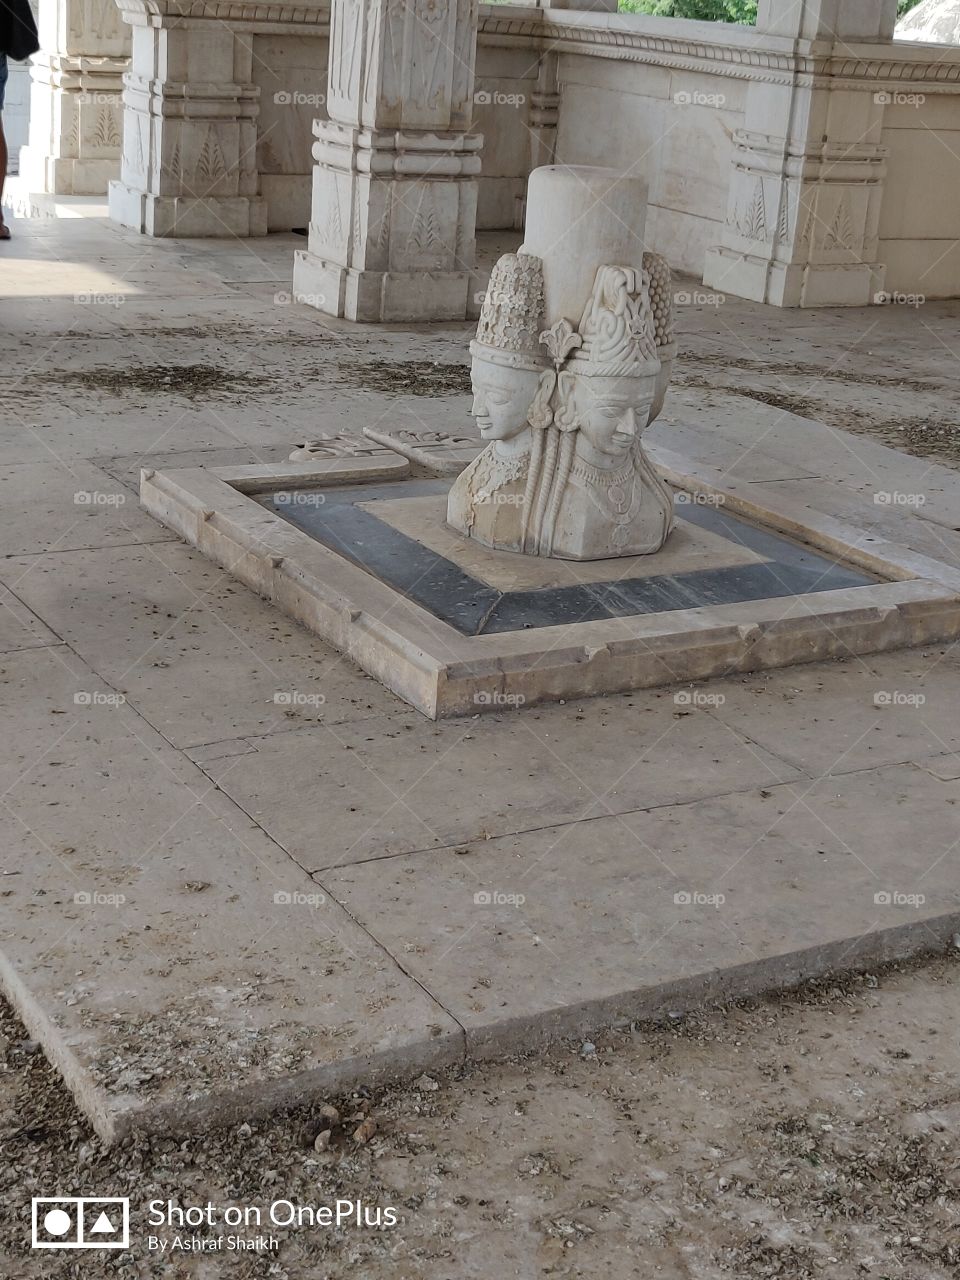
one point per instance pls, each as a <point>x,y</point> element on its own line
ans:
<point>807,1135</point>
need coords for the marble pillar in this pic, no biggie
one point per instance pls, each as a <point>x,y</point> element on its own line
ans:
<point>808,167</point>
<point>392,232</point>
<point>75,98</point>
<point>189,128</point>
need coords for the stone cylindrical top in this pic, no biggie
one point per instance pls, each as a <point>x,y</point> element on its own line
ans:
<point>579,218</point>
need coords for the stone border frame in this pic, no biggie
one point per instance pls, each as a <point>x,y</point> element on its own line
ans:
<point>442,673</point>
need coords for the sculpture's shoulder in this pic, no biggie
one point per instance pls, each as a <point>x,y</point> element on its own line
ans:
<point>486,499</point>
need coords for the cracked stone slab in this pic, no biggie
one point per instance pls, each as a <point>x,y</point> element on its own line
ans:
<point>560,930</point>
<point>870,711</point>
<point>54,506</point>
<point>177,966</point>
<point>201,657</point>
<point>386,783</point>
<point>765,436</point>
<point>20,628</point>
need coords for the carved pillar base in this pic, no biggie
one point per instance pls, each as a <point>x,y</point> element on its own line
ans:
<point>392,232</point>
<point>801,231</point>
<point>75,99</point>
<point>189,139</point>
<point>807,172</point>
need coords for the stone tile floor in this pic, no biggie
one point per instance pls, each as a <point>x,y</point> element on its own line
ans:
<point>236,871</point>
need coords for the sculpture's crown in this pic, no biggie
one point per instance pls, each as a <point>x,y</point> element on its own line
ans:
<point>511,318</point>
<point>618,329</point>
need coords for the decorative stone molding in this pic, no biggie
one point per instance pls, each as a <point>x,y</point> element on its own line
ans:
<point>252,13</point>
<point>340,445</point>
<point>741,54</point>
<point>392,236</point>
<point>544,113</point>
<point>803,215</point>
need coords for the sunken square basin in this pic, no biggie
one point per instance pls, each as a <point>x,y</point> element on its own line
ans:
<point>356,548</point>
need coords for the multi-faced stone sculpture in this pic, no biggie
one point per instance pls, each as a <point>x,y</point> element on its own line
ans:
<point>563,404</point>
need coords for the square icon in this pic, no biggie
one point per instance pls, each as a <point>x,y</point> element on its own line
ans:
<point>81,1222</point>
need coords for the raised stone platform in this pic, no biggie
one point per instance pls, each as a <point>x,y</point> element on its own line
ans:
<point>357,549</point>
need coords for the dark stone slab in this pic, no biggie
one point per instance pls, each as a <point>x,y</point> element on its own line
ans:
<point>472,607</point>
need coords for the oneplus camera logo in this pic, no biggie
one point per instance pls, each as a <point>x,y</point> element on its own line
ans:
<point>81,1222</point>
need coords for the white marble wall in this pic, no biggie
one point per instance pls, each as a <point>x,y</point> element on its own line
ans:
<point>918,216</point>
<point>291,74</point>
<point>672,127</point>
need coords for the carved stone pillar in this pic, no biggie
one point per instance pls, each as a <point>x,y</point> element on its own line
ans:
<point>544,113</point>
<point>392,233</point>
<point>807,177</point>
<point>75,104</point>
<point>189,163</point>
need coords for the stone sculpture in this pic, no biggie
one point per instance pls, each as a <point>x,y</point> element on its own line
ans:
<point>570,364</point>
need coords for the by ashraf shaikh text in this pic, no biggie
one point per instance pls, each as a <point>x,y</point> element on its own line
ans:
<point>210,1228</point>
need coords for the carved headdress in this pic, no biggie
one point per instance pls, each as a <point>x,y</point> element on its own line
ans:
<point>511,319</point>
<point>618,329</point>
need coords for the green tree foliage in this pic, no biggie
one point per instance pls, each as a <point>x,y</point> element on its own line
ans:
<point>715,10</point>
<point>706,10</point>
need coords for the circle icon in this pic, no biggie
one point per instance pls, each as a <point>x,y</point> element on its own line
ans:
<point>57,1222</point>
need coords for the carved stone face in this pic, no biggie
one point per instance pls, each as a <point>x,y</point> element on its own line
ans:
<point>611,414</point>
<point>501,398</point>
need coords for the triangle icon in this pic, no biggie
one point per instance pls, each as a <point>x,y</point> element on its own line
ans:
<point>103,1225</point>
